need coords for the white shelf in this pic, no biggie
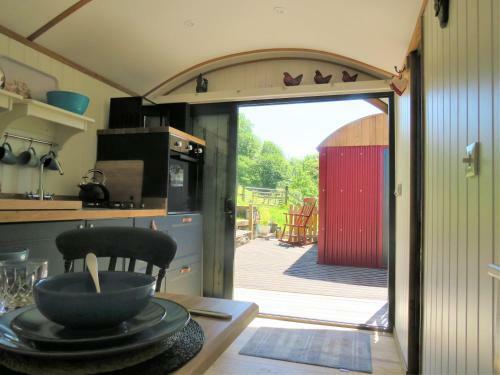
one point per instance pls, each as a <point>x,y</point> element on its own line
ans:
<point>7,100</point>
<point>13,107</point>
<point>280,92</point>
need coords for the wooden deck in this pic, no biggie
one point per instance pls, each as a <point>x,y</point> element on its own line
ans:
<point>287,281</point>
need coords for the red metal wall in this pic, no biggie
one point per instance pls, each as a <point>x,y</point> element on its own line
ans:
<point>351,206</point>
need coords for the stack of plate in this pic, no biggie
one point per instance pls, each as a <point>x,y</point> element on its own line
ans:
<point>26,331</point>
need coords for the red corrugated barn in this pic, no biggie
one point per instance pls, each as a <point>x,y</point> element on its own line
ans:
<point>353,177</point>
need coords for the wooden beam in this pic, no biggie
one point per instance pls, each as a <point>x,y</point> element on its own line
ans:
<point>249,56</point>
<point>19,38</point>
<point>379,103</point>
<point>416,37</point>
<point>54,21</point>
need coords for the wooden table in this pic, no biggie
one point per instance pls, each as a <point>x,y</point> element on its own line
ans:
<point>219,334</point>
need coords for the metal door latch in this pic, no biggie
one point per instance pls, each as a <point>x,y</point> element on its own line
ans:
<point>471,160</point>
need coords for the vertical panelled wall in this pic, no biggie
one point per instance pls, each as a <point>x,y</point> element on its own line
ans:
<point>79,154</point>
<point>461,104</point>
<point>402,107</point>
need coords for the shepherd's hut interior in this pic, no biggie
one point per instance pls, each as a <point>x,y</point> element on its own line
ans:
<point>159,214</point>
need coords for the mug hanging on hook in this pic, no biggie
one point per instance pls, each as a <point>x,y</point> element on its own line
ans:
<point>6,154</point>
<point>29,157</point>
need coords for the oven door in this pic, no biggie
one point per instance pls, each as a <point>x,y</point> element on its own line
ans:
<point>183,184</point>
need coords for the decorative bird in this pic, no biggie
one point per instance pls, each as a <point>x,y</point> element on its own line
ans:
<point>201,84</point>
<point>288,80</point>
<point>346,77</point>
<point>319,79</point>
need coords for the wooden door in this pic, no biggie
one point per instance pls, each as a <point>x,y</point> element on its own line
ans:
<point>217,124</point>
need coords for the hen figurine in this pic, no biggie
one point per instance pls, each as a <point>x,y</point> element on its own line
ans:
<point>319,79</point>
<point>346,77</point>
<point>288,80</point>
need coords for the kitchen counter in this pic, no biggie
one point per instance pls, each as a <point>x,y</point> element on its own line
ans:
<point>21,216</point>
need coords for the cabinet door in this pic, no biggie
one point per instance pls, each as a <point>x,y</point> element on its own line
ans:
<point>187,231</point>
<point>184,275</point>
<point>39,238</point>
<point>184,280</point>
<point>103,263</point>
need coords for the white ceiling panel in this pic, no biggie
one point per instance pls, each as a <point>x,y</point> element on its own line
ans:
<point>141,43</point>
<point>26,16</point>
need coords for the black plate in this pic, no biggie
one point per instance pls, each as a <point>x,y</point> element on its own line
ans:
<point>32,325</point>
<point>176,319</point>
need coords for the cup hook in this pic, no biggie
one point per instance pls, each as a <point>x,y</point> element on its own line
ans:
<point>400,71</point>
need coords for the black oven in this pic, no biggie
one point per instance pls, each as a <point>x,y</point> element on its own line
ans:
<point>173,163</point>
<point>184,175</point>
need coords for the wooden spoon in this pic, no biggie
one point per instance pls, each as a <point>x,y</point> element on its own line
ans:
<point>91,261</point>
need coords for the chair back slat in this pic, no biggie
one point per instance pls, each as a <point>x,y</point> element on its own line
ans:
<point>68,266</point>
<point>159,279</point>
<point>131,265</point>
<point>112,264</point>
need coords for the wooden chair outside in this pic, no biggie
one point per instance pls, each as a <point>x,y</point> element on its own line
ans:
<point>301,224</point>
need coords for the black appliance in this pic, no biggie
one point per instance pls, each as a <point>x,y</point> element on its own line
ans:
<point>173,163</point>
<point>131,112</point>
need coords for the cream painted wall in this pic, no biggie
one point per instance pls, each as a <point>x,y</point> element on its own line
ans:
<point>461,219</point>
<point>79,153</point>
<point>261,74</point>
<point>402,120</point>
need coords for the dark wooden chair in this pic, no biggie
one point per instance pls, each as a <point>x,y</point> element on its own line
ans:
<point>153,247</point>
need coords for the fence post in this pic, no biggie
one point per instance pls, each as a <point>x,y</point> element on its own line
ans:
<point>250,220</point>
<point>286,195</point>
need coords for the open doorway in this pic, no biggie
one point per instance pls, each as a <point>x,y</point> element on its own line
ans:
<point>313,213</point>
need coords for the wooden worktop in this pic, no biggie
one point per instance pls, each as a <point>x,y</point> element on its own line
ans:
<point>219,334</point>
<point>20,216</point>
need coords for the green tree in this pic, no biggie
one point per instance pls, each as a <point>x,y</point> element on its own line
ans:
<point>248,143</point>
<point>272,165</point>
<point>304,176</point>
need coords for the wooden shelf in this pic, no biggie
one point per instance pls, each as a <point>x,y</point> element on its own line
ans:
<point>15,108</point>
<point>7,100</point>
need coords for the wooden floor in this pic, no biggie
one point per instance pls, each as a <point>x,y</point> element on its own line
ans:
<point>287,281</point>
<point>385,358</point>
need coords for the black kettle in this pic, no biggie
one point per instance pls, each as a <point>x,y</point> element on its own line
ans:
<point>91,189</point>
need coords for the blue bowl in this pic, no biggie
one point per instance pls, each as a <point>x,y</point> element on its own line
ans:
<point>70,101</point>
<point>70,299</point>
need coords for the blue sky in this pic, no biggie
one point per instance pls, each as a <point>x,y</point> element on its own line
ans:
<point>299,128</point>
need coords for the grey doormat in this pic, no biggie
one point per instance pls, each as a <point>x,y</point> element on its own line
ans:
<point>321,347</point>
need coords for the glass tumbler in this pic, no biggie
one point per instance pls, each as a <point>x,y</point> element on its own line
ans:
<point>17,279</point>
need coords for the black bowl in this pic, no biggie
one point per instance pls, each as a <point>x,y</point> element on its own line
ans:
<point>70,299</point>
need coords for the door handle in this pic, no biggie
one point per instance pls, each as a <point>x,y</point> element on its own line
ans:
<point>229,206</point>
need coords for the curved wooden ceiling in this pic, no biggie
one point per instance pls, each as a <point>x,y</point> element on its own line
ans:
<point>140,45</point>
